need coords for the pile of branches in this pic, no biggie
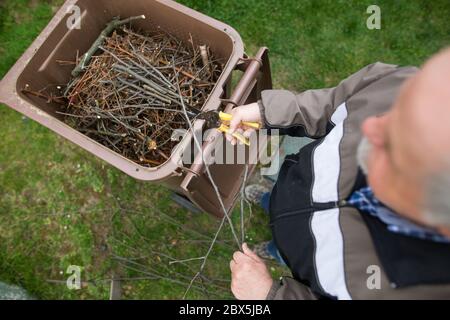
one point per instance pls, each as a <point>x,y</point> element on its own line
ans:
<point>126,91</point>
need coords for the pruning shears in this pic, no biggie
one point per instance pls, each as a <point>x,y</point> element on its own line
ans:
<point>221,121</point>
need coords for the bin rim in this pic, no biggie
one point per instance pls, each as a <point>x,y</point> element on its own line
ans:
<point>10,97</point>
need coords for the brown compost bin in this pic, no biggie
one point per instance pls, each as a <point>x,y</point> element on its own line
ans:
<point>38,68</point>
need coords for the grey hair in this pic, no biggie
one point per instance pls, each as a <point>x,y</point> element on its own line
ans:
<point>362,154</point>
<point>436,210</point>
<point>437,198</point>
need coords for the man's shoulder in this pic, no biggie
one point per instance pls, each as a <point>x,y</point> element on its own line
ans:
<point>384,69</point>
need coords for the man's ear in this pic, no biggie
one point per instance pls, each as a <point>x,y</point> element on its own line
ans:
<point>373,130</point>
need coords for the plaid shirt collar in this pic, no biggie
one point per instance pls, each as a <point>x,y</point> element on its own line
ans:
<point>364,200</point>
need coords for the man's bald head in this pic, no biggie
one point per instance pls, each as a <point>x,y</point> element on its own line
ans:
<point>424,106</point>
<point>409,161</point>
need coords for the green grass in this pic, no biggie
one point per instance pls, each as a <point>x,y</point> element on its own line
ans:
<point>60,206</point>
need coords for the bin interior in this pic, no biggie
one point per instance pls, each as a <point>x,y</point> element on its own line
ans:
<point>63,44</point>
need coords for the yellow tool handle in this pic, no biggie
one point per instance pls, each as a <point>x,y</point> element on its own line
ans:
<point>254,125</point>
<point>227,117</point>
<point>223,128</point>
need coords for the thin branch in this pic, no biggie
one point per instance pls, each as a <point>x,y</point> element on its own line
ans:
<point>226,216</point>
<point>103,35</point>
<point>186,260</point>
<point>242,203</point>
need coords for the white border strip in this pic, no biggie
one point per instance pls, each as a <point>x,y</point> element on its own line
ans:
<point>327,161</point>
<point>329,254</point>
<point>329,251</point>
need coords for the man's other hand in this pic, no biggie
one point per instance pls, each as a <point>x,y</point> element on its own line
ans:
<point>250,279</point>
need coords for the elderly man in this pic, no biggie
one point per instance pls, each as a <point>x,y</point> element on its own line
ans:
<point>363,212</point>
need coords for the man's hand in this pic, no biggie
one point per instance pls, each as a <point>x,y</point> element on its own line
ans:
<point>250,279</point>
<point>250,113</point>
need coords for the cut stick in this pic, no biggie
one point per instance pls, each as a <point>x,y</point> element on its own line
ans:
<point>110,27</point>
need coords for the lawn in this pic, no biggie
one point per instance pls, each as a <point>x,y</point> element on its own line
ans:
<point>60,206</point>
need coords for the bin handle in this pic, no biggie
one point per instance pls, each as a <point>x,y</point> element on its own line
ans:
<point>240,94</point>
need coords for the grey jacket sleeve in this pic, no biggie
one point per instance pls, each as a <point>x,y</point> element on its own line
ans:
<point>290,289</point>
<point>309,113</point>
